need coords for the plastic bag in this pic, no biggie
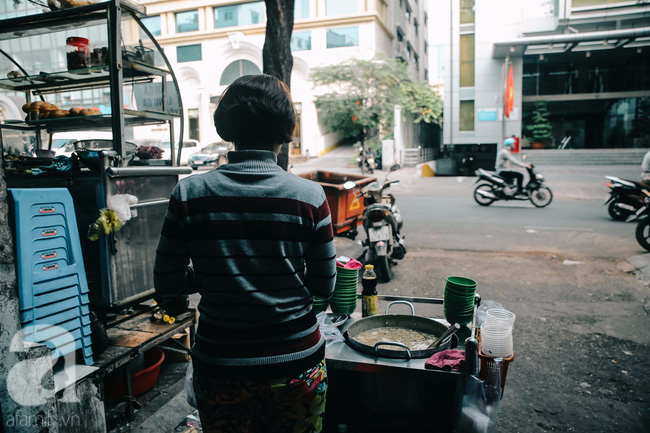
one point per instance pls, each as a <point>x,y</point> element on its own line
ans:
<point>120,203</point>
<point>328,330</point>
<point>481,312</point>
<point>479,403</point>
<point>189,385</point>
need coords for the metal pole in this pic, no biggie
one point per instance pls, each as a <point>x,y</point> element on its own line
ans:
<point>115,77</point>
<point>451,74</point>
<point>504,74</point>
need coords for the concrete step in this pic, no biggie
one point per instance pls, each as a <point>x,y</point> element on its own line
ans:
<point>585,156</point>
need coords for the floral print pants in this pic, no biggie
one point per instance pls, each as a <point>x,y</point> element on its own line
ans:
<point>288,405</point>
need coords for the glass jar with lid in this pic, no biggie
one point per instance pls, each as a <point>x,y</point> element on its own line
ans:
<point>77,52</point>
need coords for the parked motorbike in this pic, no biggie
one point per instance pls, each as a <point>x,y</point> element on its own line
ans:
<point>493,187</point>
<point>382,223</point>
<point>642,231</point>
<point>626,197</point>
<point>370,162</point>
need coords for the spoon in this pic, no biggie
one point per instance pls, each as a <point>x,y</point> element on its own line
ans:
<point>448,333</point>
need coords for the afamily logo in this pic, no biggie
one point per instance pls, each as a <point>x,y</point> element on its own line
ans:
<point>41,420</point>
<point>30,381</point>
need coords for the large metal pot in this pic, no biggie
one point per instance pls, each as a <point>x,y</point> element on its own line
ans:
<point>411,322</point>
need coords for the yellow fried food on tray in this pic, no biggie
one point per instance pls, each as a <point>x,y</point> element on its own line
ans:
<point>66,4</point>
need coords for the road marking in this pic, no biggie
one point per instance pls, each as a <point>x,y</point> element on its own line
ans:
<point>577,229</point>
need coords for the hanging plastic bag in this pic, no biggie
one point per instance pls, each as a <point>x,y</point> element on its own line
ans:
<point>476,403</point>
<point>189,385</point>
<point>479,403</point>
<point>328,330</point>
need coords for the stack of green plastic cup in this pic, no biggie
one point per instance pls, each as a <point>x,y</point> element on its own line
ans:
<point>344,298</point>
<point>320,304</point>
<point>459,300</point>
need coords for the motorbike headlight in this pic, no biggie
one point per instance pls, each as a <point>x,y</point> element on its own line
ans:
<point>539,177</point>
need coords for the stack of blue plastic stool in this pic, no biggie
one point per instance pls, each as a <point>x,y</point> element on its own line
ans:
<point>52,284</point>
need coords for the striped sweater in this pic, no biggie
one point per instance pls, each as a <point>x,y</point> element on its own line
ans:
<point>261,245</point>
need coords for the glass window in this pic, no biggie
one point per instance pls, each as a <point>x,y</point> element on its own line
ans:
<point>187,21</point>
<point>237,69</point>
<point>341,7</point>
<point>301,41</point>
<point>301,9</point>
<point>400,34</point>
<point>586,3</point>
<point>343,37</point>
<point>415,26</point>
<point>188,53</point>
<point>243,14</point>
<point>407,14</point>
<point>152,24</point>
<point>467,60</point>
<point>466,116</point>
<point>467,11</point>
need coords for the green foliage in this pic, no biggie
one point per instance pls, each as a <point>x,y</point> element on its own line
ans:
<point>540,131</point>
<point>421,100</point>
<point>359,96</point>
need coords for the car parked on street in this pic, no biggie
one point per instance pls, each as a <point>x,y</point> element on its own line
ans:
<point>212,155</point>
<point>190,147</point>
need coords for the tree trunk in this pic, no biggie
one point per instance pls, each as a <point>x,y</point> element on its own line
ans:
<point>276,55</point>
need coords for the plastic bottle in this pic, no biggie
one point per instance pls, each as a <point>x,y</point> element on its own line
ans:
<point>369,292</point>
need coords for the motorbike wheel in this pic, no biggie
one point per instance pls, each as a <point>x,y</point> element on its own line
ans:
<point>619,214</point>
<point>541,197</point>
<point>643,233</point>
<point>384,269</point>
<point>481,199</point>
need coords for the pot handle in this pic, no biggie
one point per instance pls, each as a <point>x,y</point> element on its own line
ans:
<point>390,343</point>
<point>401,302</point>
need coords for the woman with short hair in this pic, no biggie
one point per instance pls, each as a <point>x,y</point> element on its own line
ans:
<point>260,242</point>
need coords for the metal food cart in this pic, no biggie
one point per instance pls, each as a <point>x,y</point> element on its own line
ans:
<point>378,394</point>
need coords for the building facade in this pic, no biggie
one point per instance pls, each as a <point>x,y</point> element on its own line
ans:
<point>588,59</point>
<point>210,43</point>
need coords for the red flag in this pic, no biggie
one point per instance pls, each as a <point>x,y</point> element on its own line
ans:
<point>509,97</point>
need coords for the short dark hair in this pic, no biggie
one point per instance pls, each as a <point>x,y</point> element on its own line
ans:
<point>256,111</point>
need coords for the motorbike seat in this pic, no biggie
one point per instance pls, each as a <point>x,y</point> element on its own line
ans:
<point>639,184</point>
<point>482,172</point>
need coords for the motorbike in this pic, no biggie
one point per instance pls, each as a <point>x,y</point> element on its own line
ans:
<point>370,162</point>
<point>382,223</point>
<point>493,187</point>
<point>625,199</point>
<point>642,231</point>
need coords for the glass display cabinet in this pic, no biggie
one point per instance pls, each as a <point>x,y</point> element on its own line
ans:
<point>93,73</point>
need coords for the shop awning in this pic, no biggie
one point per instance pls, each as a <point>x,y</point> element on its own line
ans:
<point>558,43</point>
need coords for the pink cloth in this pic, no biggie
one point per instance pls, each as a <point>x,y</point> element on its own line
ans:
<point>350,264</point>
<point>447,360</point>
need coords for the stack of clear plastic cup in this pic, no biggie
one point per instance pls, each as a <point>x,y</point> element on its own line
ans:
<point>500,315</point>
<point>496,339</point>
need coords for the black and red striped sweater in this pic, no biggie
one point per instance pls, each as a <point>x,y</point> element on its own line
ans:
<point>261,246</point>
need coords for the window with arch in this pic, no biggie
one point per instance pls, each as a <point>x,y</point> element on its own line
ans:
<point>237,69</point>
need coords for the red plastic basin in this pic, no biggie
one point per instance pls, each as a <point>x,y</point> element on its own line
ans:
<point>141,381</point>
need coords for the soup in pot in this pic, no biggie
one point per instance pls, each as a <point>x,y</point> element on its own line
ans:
<point>414,340</point>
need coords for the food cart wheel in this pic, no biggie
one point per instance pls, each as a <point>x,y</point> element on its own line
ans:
<point>99,336</point>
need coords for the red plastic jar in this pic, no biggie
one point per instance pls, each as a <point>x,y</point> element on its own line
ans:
<point>77,52</point>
